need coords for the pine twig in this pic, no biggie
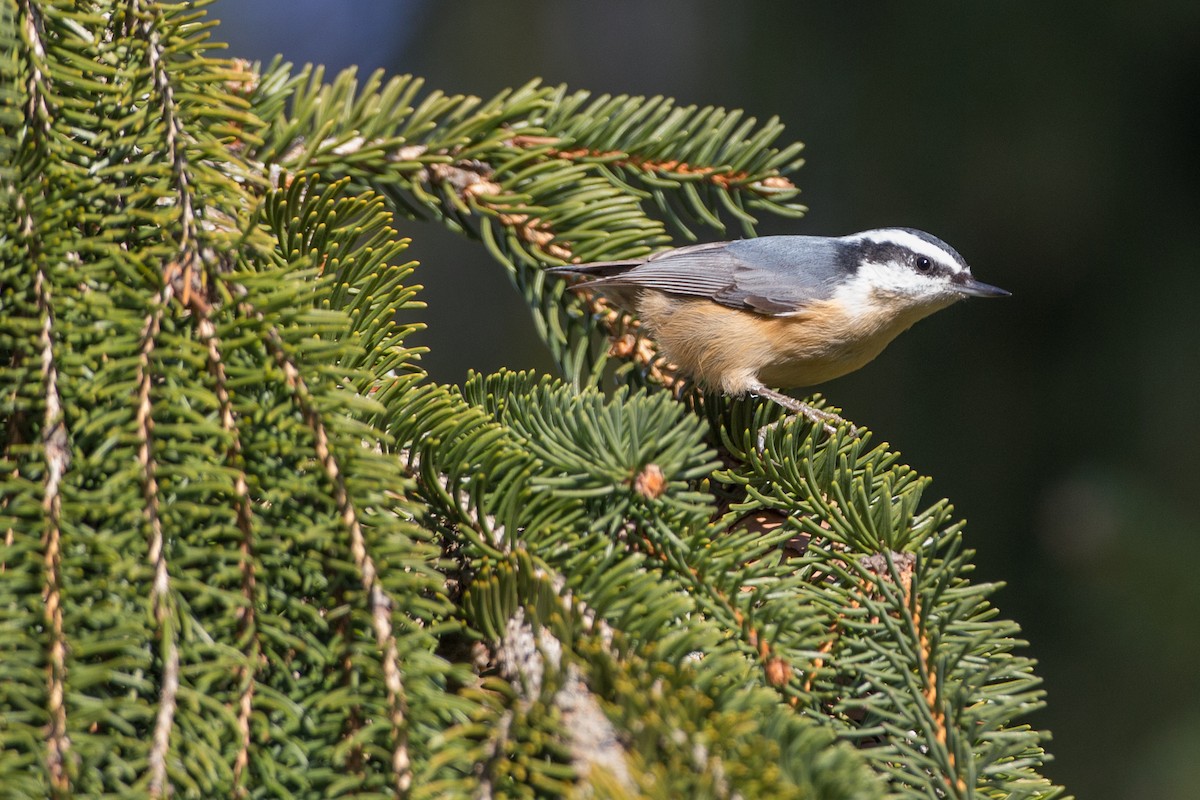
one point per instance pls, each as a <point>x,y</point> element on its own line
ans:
<point>161,587</point>
<point>58,459</point>
<point>723,179</point>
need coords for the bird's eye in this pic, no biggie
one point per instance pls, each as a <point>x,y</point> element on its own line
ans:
<point>923,263</point>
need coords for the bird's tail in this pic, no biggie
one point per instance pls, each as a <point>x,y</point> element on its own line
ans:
<point>595,270</point>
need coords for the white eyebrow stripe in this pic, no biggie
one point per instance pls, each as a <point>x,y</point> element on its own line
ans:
<point>914,243</point>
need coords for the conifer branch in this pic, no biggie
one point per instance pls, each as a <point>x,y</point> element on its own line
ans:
<point>378,602</point>
<point>161,585</point>
<point>776,669</point>
<point>54,437</point>
<point>145,430</point>
<point>58,459</point>
<point>464,512</point>
<point>148,22</point>
<point>827,646</point>
<point>523,656</point>
<point>727,179</point>
<point>344,630</point>
<point>900,567</point>
<point>180,272</point>
<point>36,108</point>
<point>500,733</point>
<point>183,277</point>
<point>161,743</point>
<point>485,527</point>
<point>247,620</point>
<point>12,438</point>
<point>624,330</point>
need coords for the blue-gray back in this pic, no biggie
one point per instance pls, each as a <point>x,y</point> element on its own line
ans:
<point>772,274</point>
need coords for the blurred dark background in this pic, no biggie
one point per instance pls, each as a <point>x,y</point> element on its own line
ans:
<point>1056,146</point>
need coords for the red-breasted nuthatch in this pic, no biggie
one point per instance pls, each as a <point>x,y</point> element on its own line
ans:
<point>784,311</point>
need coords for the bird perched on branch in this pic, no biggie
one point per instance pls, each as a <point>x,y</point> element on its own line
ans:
<point>783,312</point>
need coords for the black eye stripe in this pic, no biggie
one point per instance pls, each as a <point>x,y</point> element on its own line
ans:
<point>887,252</point>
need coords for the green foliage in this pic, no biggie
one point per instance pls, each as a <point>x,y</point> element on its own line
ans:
<point>249,549</point>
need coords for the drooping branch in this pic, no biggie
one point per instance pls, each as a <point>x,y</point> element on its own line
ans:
<point>182,276</point>
<point>161,586</point>
<point>378,602</point>
<point>57,452</point>
<point>37,109</point>
<point>148,22</point>
<point>246,616</point>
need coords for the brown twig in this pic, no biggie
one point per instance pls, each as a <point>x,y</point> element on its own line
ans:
<point>55,443</point>
<point>146,21</point>
<point>31,25</point>
<point>57,452</point>
<point>182,276</point>
<point>727,179</point>
<point>161,587</point>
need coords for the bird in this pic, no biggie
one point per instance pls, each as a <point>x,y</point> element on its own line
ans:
<point>754,316</point>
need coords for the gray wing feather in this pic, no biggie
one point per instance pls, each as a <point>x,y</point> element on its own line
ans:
<point>772,275</point>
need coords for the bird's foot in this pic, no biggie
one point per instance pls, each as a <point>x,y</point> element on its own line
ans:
<point>826,419</point>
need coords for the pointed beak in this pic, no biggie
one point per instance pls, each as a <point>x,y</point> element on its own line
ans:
<point>975,288</point>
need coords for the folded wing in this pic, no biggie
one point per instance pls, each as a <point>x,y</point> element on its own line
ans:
<point>770,275</point>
